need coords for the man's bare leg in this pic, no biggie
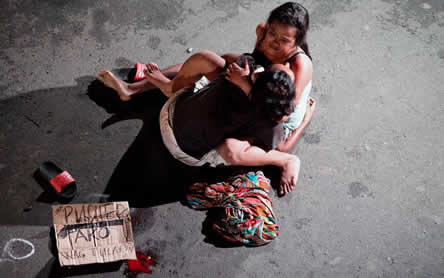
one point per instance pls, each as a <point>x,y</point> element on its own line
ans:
<point>121,87</point>
<point>204,63</point>
<point>158,79</point>
<point>172,71</point>
<point>127,90</point>
<point>230,57</point>
<point>237,152</point>
<point>296,134</point>
<point>209,62</point>
<point>146,85</point>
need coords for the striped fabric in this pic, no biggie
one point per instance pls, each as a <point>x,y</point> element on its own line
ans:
<point>249,218</point>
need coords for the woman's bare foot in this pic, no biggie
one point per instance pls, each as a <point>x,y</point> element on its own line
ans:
<point>121,87</point>
<point>289,175</point>
<point>156,77</point>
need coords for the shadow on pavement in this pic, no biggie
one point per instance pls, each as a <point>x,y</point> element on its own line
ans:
<point>56,124</point>
<point>147,175</point>
<point>63,125</point>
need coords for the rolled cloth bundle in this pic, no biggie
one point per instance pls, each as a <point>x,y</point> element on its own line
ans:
<point>249,218</point>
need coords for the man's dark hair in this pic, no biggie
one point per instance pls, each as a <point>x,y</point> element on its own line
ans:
<point>252,64</point>
<point>273,94</point>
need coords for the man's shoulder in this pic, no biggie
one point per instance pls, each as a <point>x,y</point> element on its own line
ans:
<point>265,133</point>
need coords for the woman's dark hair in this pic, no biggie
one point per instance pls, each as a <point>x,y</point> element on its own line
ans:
<point>273,94</point>
<point>293,14</point>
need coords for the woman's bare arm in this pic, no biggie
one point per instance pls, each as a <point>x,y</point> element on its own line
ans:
<point>302,68</point>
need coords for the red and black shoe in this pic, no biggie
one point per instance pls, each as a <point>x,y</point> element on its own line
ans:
<point>60,182</point>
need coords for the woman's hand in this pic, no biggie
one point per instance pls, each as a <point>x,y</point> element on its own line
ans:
<point>239,76</point>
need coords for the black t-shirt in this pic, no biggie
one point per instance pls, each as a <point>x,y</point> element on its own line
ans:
<point>202,120</point>
<point>264,133</point>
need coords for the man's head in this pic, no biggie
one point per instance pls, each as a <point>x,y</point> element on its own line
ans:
<point>273,92</point>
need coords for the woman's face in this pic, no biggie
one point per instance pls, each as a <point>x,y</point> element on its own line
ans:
<point>279,42</point>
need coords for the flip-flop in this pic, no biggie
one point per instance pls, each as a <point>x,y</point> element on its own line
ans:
<point>140,71</point>
<point>61,182</point>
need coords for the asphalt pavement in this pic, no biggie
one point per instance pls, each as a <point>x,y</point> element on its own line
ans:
<point>370,196</point>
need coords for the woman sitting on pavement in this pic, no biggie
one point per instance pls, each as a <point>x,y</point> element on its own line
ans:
<point>280,40</point>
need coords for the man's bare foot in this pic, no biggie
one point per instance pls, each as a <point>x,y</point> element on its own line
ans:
<point>156,77</point>
<point>121,87</point>
<point>289,175</point>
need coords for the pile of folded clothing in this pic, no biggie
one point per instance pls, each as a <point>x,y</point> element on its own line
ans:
<point>249,218</point>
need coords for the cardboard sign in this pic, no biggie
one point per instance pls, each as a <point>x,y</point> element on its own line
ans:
<point>93,233</point>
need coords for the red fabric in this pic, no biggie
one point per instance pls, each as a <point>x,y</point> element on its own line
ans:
<point>61,181</point>
<point>141,264</point>
<point>140,71</point>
